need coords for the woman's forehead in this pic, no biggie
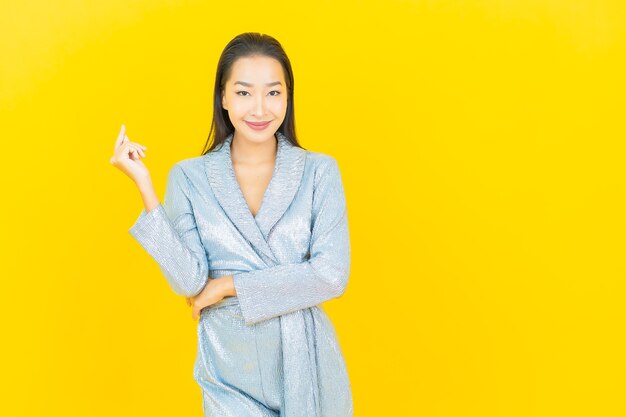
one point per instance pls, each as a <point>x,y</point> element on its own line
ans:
<point>257,72</point>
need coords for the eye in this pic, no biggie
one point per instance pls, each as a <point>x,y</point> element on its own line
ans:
<point>273,91</point>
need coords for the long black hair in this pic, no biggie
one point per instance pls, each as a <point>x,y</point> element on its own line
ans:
<point>245,45</point>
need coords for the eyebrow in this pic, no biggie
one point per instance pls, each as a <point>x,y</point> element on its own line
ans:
<point>250,85</point>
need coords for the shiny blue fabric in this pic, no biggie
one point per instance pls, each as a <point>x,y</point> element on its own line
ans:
<point>271,350</point>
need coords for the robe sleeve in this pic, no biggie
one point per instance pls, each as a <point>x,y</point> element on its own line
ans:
<point>169,234</point>
<point>285,288</point>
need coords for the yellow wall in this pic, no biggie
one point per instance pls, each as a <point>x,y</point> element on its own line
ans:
<point>482,149</point>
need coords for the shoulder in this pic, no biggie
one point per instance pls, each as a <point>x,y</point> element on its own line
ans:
<point>186,171</point>
<point>321,165</point>
<point>189,165</point>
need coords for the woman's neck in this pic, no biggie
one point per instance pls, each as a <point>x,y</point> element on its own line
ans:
<point>253,153</point>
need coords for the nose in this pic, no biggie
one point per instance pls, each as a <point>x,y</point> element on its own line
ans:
<point>260,106</point>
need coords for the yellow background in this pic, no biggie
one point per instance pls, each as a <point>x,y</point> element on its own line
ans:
<point>482,149</point>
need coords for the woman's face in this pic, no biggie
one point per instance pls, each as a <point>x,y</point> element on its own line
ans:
<point>255,92</point>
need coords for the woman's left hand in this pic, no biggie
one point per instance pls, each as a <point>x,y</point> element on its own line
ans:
<point>215,290</point>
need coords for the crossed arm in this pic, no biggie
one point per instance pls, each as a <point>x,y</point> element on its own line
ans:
<point>169,234</point>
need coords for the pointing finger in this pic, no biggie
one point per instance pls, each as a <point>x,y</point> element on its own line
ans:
<point>120,136</point>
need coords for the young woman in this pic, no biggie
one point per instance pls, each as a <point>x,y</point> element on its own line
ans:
<point>254,233</point>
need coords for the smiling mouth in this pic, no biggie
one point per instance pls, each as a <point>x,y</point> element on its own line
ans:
<point>258,123</point>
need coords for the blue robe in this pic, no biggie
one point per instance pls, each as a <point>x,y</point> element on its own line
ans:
<point>271,350</point>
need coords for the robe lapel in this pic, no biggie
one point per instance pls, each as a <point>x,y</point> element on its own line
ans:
<point>279,194</point>
<point>283,186</point>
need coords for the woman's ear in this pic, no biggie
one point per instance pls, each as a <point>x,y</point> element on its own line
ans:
<point>223,101</point>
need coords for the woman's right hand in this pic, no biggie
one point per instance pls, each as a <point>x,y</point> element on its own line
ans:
<point>127,157</point>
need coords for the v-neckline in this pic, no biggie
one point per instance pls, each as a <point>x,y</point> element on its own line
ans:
<point>267,191</point>
<point>278,196</point>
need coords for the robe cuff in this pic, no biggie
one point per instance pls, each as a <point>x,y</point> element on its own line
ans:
<point>241,289</point>
<point>146,224</point>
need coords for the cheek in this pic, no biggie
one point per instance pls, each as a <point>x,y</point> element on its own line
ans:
<point>278,106</point>
<point>237,108</point>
